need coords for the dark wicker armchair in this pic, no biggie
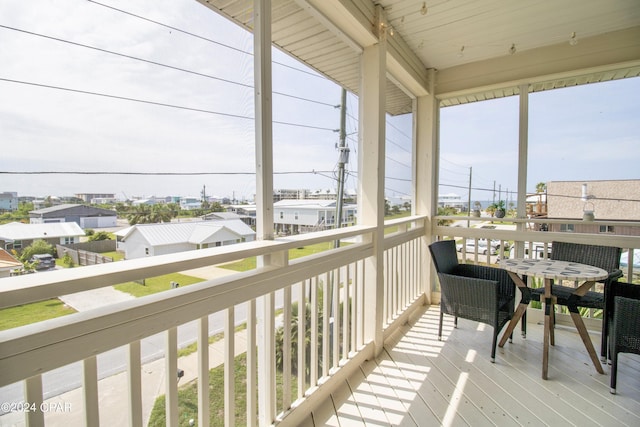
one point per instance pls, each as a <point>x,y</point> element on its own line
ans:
<point>605,257</point>
<point>479,293</point>
<point>625,332</point>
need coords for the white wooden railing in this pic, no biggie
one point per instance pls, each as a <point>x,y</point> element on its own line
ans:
<point>335,281</point>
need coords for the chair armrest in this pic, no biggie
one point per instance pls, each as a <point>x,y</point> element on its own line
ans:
<point>614,275</point>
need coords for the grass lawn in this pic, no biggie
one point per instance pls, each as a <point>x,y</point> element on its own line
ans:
<point>21,315</point>
<point>117,256</point>
<point>157,284</point>
<point>188,397</point>
<point>250,263</point>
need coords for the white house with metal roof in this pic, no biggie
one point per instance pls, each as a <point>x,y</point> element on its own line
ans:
<point>143,240</point>
<point>17,235</point>
<point>295,216</point>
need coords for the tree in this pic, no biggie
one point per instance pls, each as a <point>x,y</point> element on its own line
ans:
<point>37,247</point>
<point>541,187</point>
<point>100,235</point>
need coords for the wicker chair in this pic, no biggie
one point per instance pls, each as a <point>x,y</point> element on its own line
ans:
<point>625,332</point>
<point>605,257</point>
<point>479,293</point>
<point>617,289</point>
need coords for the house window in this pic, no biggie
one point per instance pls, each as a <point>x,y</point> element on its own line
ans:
<point>17,244</point>
<point>567,227</point>
<point>146,251</point>
<point>69,240</point>
<point>607,229</point>
<point>281,215</point>
<point>295,215</point>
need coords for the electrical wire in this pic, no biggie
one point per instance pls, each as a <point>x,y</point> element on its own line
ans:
<point>200,37</point>
<point>315,172</point>
<point>159,64</point>
<point>160,104</point>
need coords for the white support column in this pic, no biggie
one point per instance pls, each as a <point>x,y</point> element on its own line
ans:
<point>426,165</point>
<point>523,147</point>
<point>371,172</point>
<point>264,203</point>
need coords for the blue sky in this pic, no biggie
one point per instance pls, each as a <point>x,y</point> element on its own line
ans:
<point>580,133</point>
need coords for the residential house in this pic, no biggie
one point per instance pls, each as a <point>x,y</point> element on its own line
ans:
<point>90,197</point>
<point>17,235</point>
<point>8,263</point>
<point>83,215</point>
<point>614,201</point>
<point>143,240</point>
<point>299,216</point>
<point>8,201</point>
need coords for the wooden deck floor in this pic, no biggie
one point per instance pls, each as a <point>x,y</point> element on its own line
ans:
<point>420,381</point>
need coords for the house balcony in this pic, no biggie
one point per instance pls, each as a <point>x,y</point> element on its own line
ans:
<point>375,359</point>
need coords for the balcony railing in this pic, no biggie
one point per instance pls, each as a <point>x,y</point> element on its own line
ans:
<point>336,282</point>
<point>349,313</point>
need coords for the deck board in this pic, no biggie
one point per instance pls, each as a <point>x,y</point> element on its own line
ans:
<point>420,381</point>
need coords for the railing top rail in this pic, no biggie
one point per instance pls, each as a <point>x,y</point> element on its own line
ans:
<point>41,286</point>
<point>507,220</point>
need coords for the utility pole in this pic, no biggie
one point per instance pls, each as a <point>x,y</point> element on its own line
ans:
<point>343,157</point>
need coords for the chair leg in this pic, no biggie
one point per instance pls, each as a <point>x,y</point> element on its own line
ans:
<point>455,322</point>
<point>614,371</point>
<point>440,327</point>
<point>523,324</point>
<point>493,345</point>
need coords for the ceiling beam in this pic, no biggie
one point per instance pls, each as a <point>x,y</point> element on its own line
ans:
<point>599,53</point>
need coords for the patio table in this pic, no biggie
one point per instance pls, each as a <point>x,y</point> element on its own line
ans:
<point>550,270</point>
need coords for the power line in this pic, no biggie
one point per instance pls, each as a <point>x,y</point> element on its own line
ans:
<point>153,173</point>
<point>161,104</point>
<point>200,37</point>
<point>159,64</point>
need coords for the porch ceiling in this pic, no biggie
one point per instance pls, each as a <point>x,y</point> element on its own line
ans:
<point>468,43</point>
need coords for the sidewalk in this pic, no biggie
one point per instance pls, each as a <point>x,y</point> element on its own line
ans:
<point>113,391</point>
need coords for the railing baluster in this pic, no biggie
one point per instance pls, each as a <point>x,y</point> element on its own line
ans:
<point>171,377</point>
<point>252,367</point>
<point>134,377</point>
<point>302,335</point>
<point>90,391</point>
<point>229,368</point>
<point>203,372</point>
<point>346,302</point>
<point>33,398</point>
<point>326,314</point>
<point>314,334</point>
<point>335,341</point>
<point>286,349</point>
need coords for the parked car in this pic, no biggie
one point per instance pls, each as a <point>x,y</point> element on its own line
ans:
<point>483,248</point>
<point>44,261</point>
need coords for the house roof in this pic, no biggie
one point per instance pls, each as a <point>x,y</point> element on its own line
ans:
<point>191,232</point>
<point>8,261</point>
<point>305,204</point>
<point>477,50</point>
<point>222,215</point>
<point>20,231</point>
<point>73,209</point>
